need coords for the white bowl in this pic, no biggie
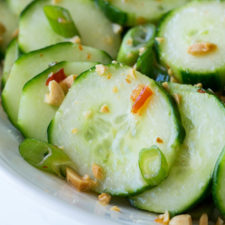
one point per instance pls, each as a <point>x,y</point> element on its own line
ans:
<point>29,196</point>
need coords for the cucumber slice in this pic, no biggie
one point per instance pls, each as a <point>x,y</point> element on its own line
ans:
<point>191,43</point>
<point>61,21</point>
<point>45,157</point>
<point>31,64</point>
<point>9,21</point>
<point>17,6</point>
<point>218,188</point>
<point>34,114</point>
<point>135,12</point>
<point>96,126</point>
<point>136,39</point>
<point>12,53</point>
<point>86,16</point>
<point>203,115</point>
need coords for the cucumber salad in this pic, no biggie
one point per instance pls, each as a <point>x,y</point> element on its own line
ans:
<point>122,98</point>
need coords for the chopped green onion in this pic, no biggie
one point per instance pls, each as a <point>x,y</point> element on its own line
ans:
<point>153,165</point>
<point>61,21</point>
<point>46,157</point>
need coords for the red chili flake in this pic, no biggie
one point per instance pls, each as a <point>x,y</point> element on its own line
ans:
<point>201,91</point>
<point>80,47</point>
<point>58,77</point>
<point>45,167</point>
<point>144,95</point>
<point>89,56</point>
<point>159,140</point>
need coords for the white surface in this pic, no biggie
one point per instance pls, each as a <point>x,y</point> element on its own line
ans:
<point>29,196</point>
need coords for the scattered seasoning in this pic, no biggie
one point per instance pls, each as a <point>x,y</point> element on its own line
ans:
<point>89,56</point>
<point>201,49</point>
<point>80,47</point>
<point>128,79</point>
<point>219,221</point>
<point>100,69</point>
<point>45,167</point>
<point>67,83</point>
<point>41,55</point>
<point>75,131</point>
<point>57,76</point>
<point>117,29</point>
<point>104,109</point>
<point>201,91</point>
<point>199,85</point>
<point>163,218</point>
<point>115,208</point>
<point>56,1</point>
<point>104,198</point>
<point>203,219</point>
<point>130,42</point>
<point>83,184</point>
<point>136,92</point>
<point>184,219</point>
<point>159,140</point>
<point>87,114</point>
<point>97,172</point>
<point>76,39</point>
<point>115,89</point>
<point>165,85</point>
<point>141,99</point>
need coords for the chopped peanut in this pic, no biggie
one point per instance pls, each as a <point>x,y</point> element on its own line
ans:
<point>199,85</point>
<point>100,69</point>
<point>163,218</point>
<point>76,39</point>
<point>177,98</point>
<point>184,219</point>
<point>159,39</point>
<point>203,219</point>
<point>74,131</point>
<point>2,29</point>
<point>104,198</point>
<point>81,184</point>
<point>165,85</point>
<point>67,83</point>
<point>200,49</point>
<point>104,109</point>
<point>136,92</point>
<point>117,29</point>
<point>219,221</point>
<point>115,208</point>
<point>55,95</point>
<point>97,172</point>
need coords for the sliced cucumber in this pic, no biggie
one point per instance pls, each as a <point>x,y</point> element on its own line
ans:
<point>135,42</point>
<point>12,53</point>
<point>34,113</point>
<point>218,188</point>
<point>36,32</point>
<point>9,21</point>
<point>31,64</point>
<point>17,6</point>
<point>45,157</point>
<point>203,117</point>
<point>135,12</point>
<point>96,126</point>
<point>191,43</point>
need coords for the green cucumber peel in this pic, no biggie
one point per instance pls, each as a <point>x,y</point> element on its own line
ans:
<point>45,157</point>
<point>138,39</point>
<point>61,21</point>
<point>153,165</point>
